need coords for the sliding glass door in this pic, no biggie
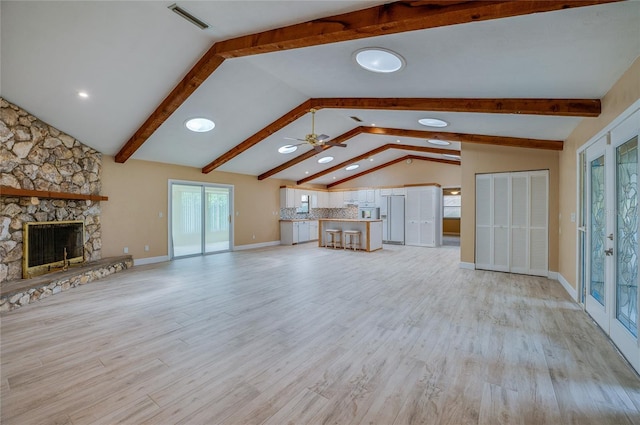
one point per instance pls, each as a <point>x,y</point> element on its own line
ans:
<point>200,218</point>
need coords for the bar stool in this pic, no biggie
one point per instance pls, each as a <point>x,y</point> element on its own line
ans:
<point>336,236</point>
<point>354,239</point>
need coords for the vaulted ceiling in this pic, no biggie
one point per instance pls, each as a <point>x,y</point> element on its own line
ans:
<point>510,73</point>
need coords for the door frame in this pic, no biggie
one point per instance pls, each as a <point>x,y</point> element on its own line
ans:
<point>629,347</point>
<point>170,217</point>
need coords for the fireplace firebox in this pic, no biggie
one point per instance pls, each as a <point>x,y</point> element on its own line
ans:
<point>51,245</point>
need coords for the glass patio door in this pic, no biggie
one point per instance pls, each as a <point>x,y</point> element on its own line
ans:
<point>200,219</point>
<point>612,235</point>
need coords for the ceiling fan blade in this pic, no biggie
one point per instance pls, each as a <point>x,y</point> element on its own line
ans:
<point>293,138</point>
<point>342,145</point>
<point>318,148</point>
<point>322,137</point>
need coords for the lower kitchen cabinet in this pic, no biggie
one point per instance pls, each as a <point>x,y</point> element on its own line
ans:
<point>293,232</point>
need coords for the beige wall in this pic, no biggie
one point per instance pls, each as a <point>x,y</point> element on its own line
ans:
<point>622,95</point>
<point>402,173</point>
<point>477,159</point>
<point>138,193</point>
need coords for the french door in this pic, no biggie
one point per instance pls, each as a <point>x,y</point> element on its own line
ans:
<point>200,218</point>
<point>611,226</point>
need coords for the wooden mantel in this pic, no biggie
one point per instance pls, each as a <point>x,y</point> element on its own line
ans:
<point>12,191</point>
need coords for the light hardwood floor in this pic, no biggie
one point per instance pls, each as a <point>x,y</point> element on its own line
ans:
<point>306,335</point>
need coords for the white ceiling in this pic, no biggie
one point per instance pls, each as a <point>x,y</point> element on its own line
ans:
<point>129,55</point>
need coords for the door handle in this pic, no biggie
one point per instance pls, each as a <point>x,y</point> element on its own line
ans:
<point>610,236</point>
<point>608,251</point>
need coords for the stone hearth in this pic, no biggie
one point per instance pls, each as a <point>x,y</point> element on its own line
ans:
<point>20,292</point>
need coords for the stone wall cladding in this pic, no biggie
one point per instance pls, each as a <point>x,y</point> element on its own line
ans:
<point>18,299</point>
<point>36,156</point>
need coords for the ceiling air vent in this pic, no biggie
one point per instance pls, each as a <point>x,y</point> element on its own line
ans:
<point>189,17</point>
<point>356,119</point>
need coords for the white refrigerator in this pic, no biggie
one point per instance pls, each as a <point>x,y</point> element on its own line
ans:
<point>392,215</point>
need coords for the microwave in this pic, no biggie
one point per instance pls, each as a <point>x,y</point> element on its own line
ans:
<point>369,213</point>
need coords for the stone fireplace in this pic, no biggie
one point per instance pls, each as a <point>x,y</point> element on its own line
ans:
<point>36,158</point>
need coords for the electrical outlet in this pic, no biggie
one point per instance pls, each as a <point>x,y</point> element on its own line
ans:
<point>126,250</point>
<point>146,247</point>
<point>160,214</point>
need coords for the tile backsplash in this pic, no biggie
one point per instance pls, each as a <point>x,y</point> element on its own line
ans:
<point>315,213</point>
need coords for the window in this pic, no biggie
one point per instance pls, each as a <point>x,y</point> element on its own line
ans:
<point>304,205</point>
<point>451,206</point>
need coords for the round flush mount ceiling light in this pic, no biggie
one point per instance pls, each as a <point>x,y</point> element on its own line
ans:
<point>439,142</point>
<point>447,155</point>
<point>287,149</point>
<point>83,94</point>
<point>352,167</point>
<point>433,122</point>
<point>376,59</point>
<point>200,125</point>
<point>325,159</point>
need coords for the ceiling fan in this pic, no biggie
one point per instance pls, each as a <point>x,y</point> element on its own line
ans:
<point>318,141</point>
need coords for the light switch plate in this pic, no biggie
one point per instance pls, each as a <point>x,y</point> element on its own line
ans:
<point>573,217</point>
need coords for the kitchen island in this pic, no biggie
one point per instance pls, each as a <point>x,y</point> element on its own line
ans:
<point>370,231</point>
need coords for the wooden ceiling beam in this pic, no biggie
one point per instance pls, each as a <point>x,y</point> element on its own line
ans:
<point>339,139</point>
<point>555,107</point>
<point>387,164</point>
<point>516,142</point>
<point>280,123</point>
<point>391,18</point>
<point>375,21</point>
<point>559,107</point>
<point>424,149</point>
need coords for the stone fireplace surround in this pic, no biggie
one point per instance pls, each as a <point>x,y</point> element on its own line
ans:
<point>37,156</point>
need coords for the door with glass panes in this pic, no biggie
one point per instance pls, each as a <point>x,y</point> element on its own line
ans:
<point>611,225</point>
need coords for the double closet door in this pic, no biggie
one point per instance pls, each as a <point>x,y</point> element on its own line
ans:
<point>611,226</point>
<point>512,225</point>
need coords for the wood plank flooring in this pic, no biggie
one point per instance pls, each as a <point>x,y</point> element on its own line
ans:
<point>306,335</point>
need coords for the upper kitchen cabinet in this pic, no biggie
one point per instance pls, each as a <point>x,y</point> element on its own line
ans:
<point>336,200</point>
<point>367,197</point>
<point>287,197</point>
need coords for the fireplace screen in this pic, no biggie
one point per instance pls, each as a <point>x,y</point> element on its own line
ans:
<point>49,246</point>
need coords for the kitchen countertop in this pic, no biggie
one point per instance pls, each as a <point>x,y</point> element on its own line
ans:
<point>353,220</point>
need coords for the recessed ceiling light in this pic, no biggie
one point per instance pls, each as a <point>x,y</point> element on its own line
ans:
<point>447,155</point>
<point>352,167</point>
<point>439,142</point>
<point>373,124</point>
<point>306,172</point>
<point>325,159</point>
<point>287,148</point>
<point>200,125</point>
<point>376,59</point>
<point>83,94</point>
<point>433,122</point>
<point>334,177</point>
<point>398,141</point>
<point>370,159</point>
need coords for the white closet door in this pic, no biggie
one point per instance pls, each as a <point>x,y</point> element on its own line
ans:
<point>519,223</point>
<point>512,212</point>
<point>500,225</point>
<point>538,227</point>
<point>427,217</point>
<point>484,239</point>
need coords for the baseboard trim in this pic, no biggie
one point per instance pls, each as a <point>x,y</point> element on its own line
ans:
<point>567,287</point>
<point>467,266</point>
<point>150,260</point>
<point>552,275</point>
<point>255,245</point>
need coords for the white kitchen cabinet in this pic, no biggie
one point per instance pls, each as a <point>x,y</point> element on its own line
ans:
<point>289,232</point>
<point>386,191</point>
<point>423,216</point>
<point>350,197</point>
<point>377,200</point>
<point>313,230</point>
<point>313,199</point>
<point>323,199</point>
<point>287,197</point>
<point>297,202</point>
<point>398,191</point>
<point>303,231</point>
<point>336,200</point>
<point>366,198</point>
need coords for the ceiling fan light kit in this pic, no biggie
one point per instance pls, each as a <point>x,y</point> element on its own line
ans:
<point>318,141</point>
<point>377,59</point>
